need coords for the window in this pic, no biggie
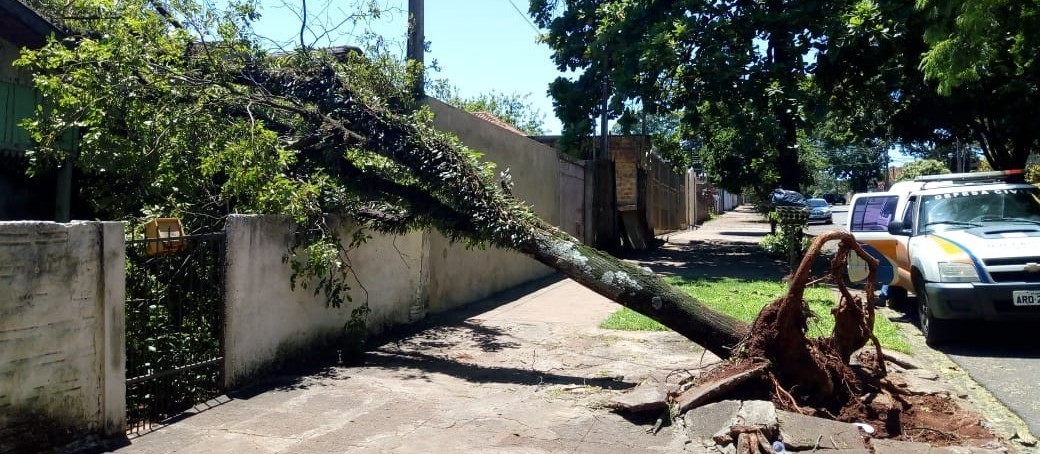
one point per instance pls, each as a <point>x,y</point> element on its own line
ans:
<point>872,214</point>
<point>908,214</point>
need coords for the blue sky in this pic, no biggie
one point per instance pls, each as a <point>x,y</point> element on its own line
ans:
<point>480,45</point>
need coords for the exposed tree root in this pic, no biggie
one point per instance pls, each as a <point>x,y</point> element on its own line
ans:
<point>807,375</point>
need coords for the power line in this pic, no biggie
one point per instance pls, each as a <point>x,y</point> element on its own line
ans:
<point>526,19</point>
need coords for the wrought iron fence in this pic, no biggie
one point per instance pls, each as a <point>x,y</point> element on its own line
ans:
<point>174,327</point>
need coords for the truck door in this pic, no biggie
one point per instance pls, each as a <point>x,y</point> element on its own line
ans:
<point>868,219</point>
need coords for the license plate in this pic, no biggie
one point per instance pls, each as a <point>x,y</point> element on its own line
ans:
<point>1026,297</point>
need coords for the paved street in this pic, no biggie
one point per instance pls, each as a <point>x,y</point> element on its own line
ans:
<point>1005,360</point>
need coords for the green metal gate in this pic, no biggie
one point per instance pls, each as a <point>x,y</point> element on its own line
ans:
<point>174,328</point>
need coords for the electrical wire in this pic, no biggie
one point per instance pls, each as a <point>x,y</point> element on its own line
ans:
<point>526,19</point>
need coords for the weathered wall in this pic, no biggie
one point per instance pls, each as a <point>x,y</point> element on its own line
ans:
<point>644,181</point>
<point>9,52</point>
<point>459,276</point>
<point>62,364</point>
<point>699,201</point>
<point>665,197</point>
<point>572,196</point>
<point>268,322</point>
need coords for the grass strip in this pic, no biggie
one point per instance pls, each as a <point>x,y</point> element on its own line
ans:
<point>743,299</point>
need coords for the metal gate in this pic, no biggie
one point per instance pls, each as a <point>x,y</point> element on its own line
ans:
<point>174,327</point>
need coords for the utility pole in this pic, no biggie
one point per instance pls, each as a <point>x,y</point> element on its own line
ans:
<point>417,43</point>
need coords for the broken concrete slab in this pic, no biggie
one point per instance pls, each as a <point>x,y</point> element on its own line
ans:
<point>903,360</point>
<point>883,446</point>
<point>800,432</point>
<point>920,386</point>
<point>924,374</point>
<point>966,450</point>
<point>713,389</point>
<point>758,413</point>
<point>645,398</point>
<point>705,421</point>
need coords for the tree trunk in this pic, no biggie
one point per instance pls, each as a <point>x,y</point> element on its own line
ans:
<point>636,288</point>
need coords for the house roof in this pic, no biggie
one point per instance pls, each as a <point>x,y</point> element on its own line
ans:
<point>22,25</point>
<point>491,118</point>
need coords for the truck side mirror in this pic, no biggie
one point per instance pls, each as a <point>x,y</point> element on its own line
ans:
<point>897,228</point>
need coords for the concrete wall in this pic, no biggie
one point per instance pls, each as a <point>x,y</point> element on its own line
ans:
<point>572,196</point>
<point>62,363</point>
<point>459,276</point>
<point>267,321</point>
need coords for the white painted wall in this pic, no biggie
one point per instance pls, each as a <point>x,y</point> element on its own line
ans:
<point>268,322</point>
<point>459,276</point>
<point>61,325</point>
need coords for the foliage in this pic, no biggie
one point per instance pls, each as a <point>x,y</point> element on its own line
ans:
<point>781,243</point>
<point>735,73</point>
<point>172,125</point>
<point>928,74</point>
<point>920,168</point>
<point>744,299</point>
<point>514,108</point>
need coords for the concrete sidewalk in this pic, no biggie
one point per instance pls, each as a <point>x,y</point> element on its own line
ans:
<point>527,371</point>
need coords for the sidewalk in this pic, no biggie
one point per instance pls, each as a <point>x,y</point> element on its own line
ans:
<point>527,371</point>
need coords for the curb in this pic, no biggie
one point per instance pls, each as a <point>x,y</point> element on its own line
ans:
<point>1001,420</point>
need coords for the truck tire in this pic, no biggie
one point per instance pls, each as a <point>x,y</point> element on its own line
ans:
<point>936,332</point>
<point>898,299</point>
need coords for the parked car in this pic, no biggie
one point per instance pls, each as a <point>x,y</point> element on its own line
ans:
<point>834,199</point>
<point>819,211</point>
<point>967,245</point>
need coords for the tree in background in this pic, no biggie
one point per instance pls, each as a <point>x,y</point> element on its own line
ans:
<point>921,168</point>
<point>941,75</point>
<point>514,108</point>
<point>735,73</point>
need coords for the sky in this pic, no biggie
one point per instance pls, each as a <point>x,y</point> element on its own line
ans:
<point>479,45</point>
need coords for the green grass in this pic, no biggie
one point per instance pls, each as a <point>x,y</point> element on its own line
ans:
<point>743,299</point>
<point>628,320</point>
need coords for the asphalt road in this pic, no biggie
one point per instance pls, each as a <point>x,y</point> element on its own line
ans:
<point>1003,358</point>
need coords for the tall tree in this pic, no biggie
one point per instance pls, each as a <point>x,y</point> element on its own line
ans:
<point>989,51</point>
<point>734,70</point>
<point>940,73</point>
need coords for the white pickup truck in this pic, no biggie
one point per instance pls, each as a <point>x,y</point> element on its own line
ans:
<point>967,245</point>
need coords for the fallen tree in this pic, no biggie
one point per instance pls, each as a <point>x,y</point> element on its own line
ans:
<point>306,134</point>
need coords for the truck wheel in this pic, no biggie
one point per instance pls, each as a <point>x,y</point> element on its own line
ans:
<point>936,332</point>
<point>898,299</point>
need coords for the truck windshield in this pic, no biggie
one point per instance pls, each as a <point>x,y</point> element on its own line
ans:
<point>974,208</point>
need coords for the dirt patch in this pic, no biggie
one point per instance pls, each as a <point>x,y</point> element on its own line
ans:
<point>941,422</point>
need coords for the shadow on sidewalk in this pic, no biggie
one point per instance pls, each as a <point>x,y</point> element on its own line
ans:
<point>707,259</point>
<point>445,343</point>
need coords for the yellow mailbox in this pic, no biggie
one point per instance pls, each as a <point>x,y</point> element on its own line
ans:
<point>165,236</point>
